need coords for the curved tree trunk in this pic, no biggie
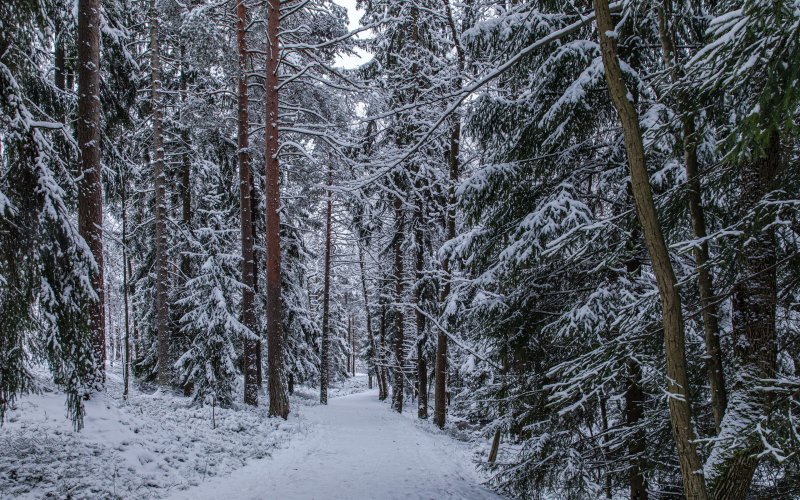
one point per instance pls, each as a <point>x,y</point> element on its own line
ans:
<point>674,341</point>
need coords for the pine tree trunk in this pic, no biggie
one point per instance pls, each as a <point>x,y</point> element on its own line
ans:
<point>253,219</point>
<point>382,356</point>
<point>162,266</point>
<point>278,400</point>
<point>674,342</point>
<point>324,371</point>
<point>634,412</point>
<point>60,62</point>
<point>399,337</point>
<point>440,370</point>
<point>126,371</point>
<point>634,395</point>
<point>90,190</point>
<point>714,368</point>
<point>248,271</point>
<point>419,318</point>
<point>352,335</point>
<point>735,458</point>
<point>495,447</point>
<point>186,167</point>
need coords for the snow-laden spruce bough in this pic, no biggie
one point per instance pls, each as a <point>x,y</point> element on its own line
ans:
<point>565,233</point>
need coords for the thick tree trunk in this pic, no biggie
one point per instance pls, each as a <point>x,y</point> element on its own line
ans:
<point>674,342</point>
<point>162,266</point>
<point>399,337</point>
<point>735,457</point>
<point>278,400</point>
<point>714,368</point>
<point>251,385</point>
<point>90,189</point>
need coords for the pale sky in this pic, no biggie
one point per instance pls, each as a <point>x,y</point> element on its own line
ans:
<point>351,61</point>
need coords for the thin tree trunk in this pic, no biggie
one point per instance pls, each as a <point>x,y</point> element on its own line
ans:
<point>604,428</point>
<point>90,190</point>
<point>399,337</point>
<point>634,412</point>
<point>186,167</point>
<point>352,335</point>
<point>714,368</point>
<point>382,356</point>
<point>370,335</point>
<point>248,272</point>
<point>162,266</point>
<point>495,447</point>
<point>136,341</point>
<point>419,319</point>
<point>253,208</point>
<point>635,396</point>
<point>60,63</point>
<point>674,342</point>
<point>440,370</point>
<point>278,400</point>
<point>326,296</point>
<point>126,370</point>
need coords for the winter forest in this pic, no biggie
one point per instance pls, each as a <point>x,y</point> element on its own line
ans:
<point>369,249</point>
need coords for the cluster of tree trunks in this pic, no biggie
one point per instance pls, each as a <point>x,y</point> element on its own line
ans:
<point>754,299</point>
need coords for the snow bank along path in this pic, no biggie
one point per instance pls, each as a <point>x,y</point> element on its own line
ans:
<point>355,448</point>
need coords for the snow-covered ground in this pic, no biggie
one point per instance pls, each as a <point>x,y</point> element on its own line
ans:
<point>148,447</point>
<point>355,448</point>
<point>157,445</point>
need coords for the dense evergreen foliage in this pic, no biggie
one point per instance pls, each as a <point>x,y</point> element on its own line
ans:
<point>570,228</point>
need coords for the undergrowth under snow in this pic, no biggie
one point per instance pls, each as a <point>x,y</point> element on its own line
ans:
<point>148,447</point>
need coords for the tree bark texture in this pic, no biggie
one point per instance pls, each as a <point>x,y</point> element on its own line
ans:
<point>251,385</point>
<point>674,341</point>
<point>324,371</point>
<point>90,189</point>
<point>159,180</point>
<point>714,368</point>
<point>399,336</point>
<point>278,400</point>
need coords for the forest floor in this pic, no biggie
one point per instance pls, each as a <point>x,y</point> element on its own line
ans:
<point>157,445</point>
<point>355,448</point>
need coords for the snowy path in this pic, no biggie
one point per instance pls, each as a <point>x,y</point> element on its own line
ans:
<point>355,448</point>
